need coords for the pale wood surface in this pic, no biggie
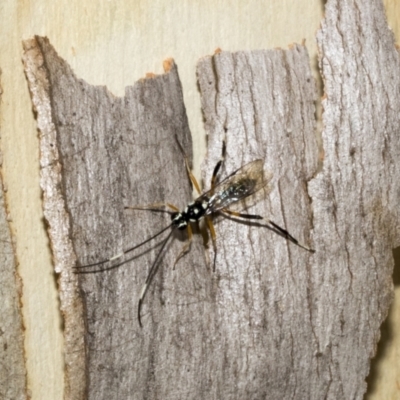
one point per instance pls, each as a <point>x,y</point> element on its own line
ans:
<point>12,364</point>
<point>115,45</point>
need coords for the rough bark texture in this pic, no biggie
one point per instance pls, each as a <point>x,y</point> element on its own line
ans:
<point>12,365</point>
<point>264,103</point>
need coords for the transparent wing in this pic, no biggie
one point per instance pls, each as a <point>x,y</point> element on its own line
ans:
<point>242,183</point>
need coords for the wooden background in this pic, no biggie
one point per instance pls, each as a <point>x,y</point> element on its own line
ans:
<point>115,44</point>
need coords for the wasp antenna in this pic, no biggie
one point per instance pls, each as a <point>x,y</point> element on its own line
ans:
<point>78,268</point>
<point>156,207</point>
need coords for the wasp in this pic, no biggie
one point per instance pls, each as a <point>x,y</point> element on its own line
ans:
<point>239,185</point>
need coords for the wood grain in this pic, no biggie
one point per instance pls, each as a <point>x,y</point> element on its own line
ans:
<point>263,102</point>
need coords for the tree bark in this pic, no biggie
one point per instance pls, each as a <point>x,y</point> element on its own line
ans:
<point>263,102</point>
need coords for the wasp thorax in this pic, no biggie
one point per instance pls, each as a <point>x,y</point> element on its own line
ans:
<point>192,213</point>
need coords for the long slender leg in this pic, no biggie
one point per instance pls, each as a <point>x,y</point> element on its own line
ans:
<point>187,245</point>
<point>241,215</point>
<point>213,182</point>
<point>276,228</point>
<point>191,176</point>
<point>150,276</point>
<point>213,238</point>
<point>218,166</point>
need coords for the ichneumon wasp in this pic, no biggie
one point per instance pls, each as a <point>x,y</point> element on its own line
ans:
<point>239,185</point>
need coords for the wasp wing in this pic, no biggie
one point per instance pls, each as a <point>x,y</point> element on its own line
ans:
<point>242,183</point>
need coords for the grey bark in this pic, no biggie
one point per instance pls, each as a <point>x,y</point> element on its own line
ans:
<point>263,102</point>
<point>12,365</point>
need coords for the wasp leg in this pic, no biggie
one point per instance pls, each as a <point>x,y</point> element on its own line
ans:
<point>272,225</point>
<point>213,238</point>
<point>218,167</point>
<point>150,276</point>
<point>191,176</point>
<point>186,247</point>
<point>154,207</point>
